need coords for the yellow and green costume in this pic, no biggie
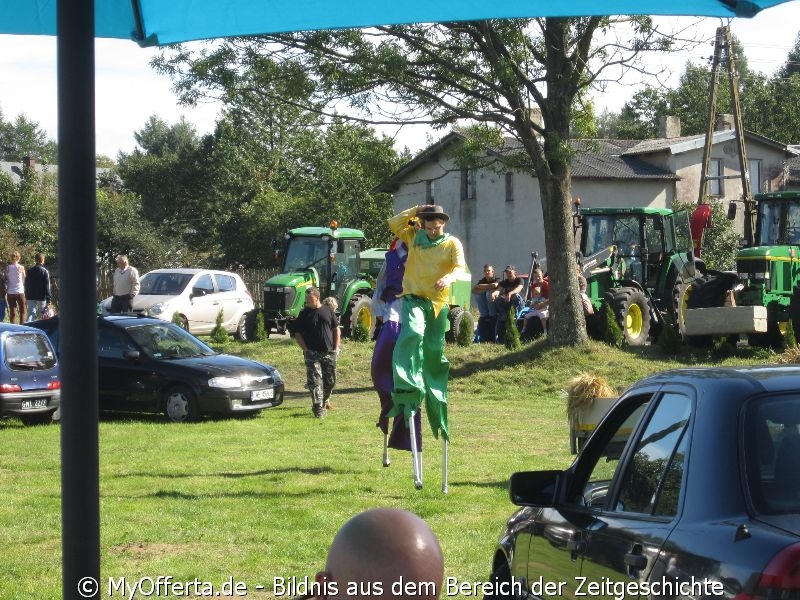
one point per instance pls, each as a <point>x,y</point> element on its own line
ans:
<point>420,368</point>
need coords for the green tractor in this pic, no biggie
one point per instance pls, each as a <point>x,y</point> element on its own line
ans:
<point>762,296</point>
<point>330,259</point>
<point>639,261</point>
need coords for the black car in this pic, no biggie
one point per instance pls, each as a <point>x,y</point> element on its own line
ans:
<point>150,365</point>
<point>689,487</point>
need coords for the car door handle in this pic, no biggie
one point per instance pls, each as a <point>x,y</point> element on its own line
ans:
<point>636,561</point>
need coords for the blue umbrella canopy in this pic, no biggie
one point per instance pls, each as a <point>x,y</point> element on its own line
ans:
<point>158,22</point>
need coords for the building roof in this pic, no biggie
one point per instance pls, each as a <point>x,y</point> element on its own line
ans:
<point>594,159</point>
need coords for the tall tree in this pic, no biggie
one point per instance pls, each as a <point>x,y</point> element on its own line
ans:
<point>490,72</point>
<point>24,137</point>
<point>792,64</point>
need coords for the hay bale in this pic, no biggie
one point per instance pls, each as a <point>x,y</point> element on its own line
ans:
<point>583,390</point>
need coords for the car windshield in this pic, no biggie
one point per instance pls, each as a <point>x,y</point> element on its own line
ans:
<point>303,253</point>
<point>772,452</point>
<point>603,231</point>
<point>164,284</point>
<point>28,351</point>
<point>167,341</point>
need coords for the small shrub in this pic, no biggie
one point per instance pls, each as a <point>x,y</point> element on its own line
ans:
<point>669,340</point>
<point>360,333</point>
<point>218,334</point>
<point>260,332</point>
<point>789,338</point>
<point>612,332</point>
<point>723,347</point>
<point>512,340</point>
<point>464,335</point>
<point>177,319</point>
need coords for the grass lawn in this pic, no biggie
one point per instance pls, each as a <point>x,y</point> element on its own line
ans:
<point>261,498</point>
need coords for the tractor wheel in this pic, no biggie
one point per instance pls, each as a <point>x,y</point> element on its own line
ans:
<point>633,315</point>
<point>359,311</point>
<point>707,291</point>
<point>456,316</point>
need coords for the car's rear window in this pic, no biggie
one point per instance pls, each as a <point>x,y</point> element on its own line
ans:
<point>772,453</point>
<point>28,352</point>
<point>164,284</point>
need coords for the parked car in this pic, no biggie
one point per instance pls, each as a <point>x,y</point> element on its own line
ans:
<point>196,296</point>
<point>688,488</point>
<point>30,387</point>
<point>148,365</point>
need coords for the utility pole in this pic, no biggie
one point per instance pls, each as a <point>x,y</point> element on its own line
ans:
<point>723,53</point>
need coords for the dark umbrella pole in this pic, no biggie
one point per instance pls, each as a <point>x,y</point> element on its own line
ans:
<point>80,489</point>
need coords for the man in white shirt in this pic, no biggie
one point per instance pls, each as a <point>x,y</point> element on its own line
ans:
<point>126,286</point>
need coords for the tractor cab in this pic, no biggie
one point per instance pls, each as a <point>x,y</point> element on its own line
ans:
<point>328,258</point>
<point>637,260</point>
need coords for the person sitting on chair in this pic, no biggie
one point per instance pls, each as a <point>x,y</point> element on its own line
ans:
<point>538,303</point>
<point>507,295</point>
<point>482,299</point>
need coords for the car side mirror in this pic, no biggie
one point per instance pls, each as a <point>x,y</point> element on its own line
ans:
<point>131,354</point>
<point>534,488</point>
<point>197,292</point>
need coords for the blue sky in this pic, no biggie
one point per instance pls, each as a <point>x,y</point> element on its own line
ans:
<point>128,91</point>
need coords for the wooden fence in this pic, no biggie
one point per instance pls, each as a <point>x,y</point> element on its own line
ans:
<point>253,278</point>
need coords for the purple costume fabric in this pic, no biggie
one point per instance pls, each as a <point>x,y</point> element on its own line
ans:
<point>381,368</point>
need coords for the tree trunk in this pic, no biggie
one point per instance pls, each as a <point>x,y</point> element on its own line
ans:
<point>567,324</point>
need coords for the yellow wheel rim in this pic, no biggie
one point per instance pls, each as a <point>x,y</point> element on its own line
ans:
<point>783,327</point>
<point>634,321</point>
<point>364,318</point>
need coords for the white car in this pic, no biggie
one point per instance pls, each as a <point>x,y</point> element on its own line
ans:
<point>196,296</point>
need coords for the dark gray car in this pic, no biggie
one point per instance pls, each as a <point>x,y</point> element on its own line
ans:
<point>688,488</point>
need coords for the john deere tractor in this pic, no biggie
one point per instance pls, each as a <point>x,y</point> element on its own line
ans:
<point>638,261</point>
<point>330,259</point>
<point>762,296</point>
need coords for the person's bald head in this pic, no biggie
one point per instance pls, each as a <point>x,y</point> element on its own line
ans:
<point>386,547</point>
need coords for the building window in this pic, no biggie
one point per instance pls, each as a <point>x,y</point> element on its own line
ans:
<point>754,170</point>
<point>715,173</point>
<point>468,184</point>
<point>509,187</point>
<point>430,192</point>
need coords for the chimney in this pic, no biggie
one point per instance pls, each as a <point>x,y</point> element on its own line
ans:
<point>29,161</point>
<point>724,122</point>
<point>669,127</point>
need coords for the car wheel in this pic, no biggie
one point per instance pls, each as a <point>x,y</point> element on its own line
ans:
<point>180,404</point>
<point>246,326</point>
<point>501,581</point>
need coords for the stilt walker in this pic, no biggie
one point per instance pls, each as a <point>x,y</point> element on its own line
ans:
<point>421,371</point>
<point>387,306</point>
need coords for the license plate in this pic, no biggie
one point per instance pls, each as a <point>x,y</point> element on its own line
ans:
<point>262,394</point>
<point>35,403</point>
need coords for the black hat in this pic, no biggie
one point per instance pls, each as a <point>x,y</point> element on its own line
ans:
<point>510,268</point>
<point>432,211</point>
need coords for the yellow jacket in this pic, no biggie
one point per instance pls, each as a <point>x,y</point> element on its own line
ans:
<point>428,260</point>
